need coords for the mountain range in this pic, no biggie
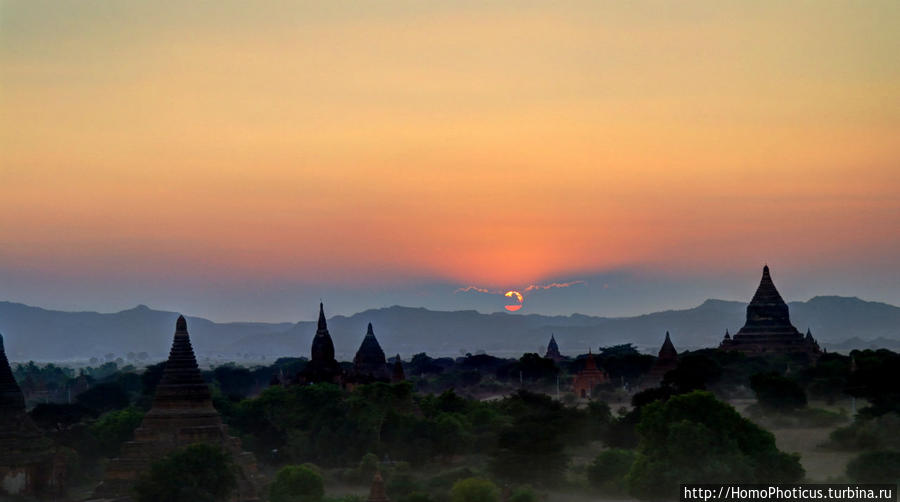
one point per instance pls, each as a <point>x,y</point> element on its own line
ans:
<point>839,323</point>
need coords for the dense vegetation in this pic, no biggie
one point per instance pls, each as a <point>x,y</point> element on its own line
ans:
<point>437,430</point>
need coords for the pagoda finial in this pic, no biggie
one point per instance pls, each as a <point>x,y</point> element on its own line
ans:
<point>667,337</point>
<point>181,326</point>
<point>369,331</point>
<point>322,324</point>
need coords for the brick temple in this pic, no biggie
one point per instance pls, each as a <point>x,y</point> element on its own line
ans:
<point>666,361</point>
<point>29,463</point>
<point>182,414</point>
<point>588,378</point>
<point>768,329</point>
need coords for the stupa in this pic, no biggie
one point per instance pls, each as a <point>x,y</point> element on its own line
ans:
<point>182,414</point>
<point>666,361</point>
<point>553,350</point>
<point>398,375</point>
<point>768,329</point>
<point>369,364</point>
<point>28,461</point>
<point>322,366</point>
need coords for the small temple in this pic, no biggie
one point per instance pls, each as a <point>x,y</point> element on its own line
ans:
<point>553,350</point>
<point>588,378</point>
<point>398,374</point>
<point>369,364</point>
<point>666,361</point>
<point>29,463</point>
<point>322,366</point>
<point>768,329</point>
<point>376,491</point>
<point>182,414</point>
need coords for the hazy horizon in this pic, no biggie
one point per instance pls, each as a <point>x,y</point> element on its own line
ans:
<point>575,297</point>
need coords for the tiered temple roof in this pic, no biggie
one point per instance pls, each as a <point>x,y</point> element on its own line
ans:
<point>553,350</point>
<point>369,364</point>
<point>768,328</point>
<point>182,414</point>
<point>26,455</point>
<point>322,366</point>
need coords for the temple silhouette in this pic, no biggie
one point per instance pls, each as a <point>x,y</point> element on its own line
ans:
<point>768,329</point>
<point>29,462</point>
<point>182,414</point>
<point>666,361</point>
<point>369,363</point>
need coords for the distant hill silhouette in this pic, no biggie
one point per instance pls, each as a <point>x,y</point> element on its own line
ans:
<point>840,323</point>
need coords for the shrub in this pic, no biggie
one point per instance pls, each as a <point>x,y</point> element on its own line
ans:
<point>297,483</point>
<point>777,393</point>
<point>115,428</point>
<point>474,490</point>
<point>523,494</point>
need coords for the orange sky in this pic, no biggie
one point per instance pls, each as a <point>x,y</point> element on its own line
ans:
<point>496,145</point>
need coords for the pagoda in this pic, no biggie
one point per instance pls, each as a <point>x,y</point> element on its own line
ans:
<point>369,364</point>
<point>553,350</point>
<point>588,378</point>
<point>322,366</point>
<point>182,414</point>
<point>666,361</point>
<point>398,374</point>
<point>376,491</point>
<point>768,329</point>
<point>28,460</point>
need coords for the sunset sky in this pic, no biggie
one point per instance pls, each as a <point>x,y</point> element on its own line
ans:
<point>241,160</point>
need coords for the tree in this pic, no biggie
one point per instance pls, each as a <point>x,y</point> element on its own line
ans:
<point>694,438</point>
<point>608,470</point>
<point>694,371</point>
<point>115,428</point>
<point>530,450</point>
<point>297,483</point>
<point>103,397</point>
<point>875,467</point>
<point>523,494</point>
<point>777,393</point>
<point>474,490</point>
<point>198,473</point>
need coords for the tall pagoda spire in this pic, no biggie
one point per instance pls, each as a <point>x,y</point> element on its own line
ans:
<point>323,345</point>
<point>323,325</point>
<point>12,401</point>
<point>322,366</point>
